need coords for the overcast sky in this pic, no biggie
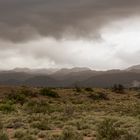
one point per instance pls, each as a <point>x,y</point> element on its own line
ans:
<point>100,34</point>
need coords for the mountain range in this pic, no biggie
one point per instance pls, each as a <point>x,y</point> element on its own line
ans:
<point>77,76</point>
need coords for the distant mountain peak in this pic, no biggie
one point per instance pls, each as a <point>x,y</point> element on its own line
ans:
<point>21,69</point>
<point>135,67</point>
<point>79,69</point>
<point>64,71</point>
<point>36,71</point>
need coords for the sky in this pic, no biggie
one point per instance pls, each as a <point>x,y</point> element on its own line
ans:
<point>99,34</point>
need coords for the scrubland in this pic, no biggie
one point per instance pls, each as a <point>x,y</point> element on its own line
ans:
<point>28,113</point>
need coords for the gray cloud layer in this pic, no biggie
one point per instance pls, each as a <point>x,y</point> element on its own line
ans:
<point>22,20</point>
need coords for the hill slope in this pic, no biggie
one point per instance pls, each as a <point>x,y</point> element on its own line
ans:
<point>71,77</point>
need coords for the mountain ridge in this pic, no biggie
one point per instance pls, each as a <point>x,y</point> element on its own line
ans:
<point>70,77</point>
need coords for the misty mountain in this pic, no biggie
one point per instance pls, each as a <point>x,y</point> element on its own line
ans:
<point>20,76</point>
<point>36,71</point>
<point>41,81</point>
<point>84,77</point>
<point>109,79</point>
<point>135,68</point>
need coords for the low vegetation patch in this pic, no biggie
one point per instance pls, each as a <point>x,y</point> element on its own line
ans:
<point>16,97</point>
<point>3,136</point>
<point>68,110</point>
<point>38,106</point>
<point>7,107</point>
<point>20,135</point>
<point>89,89</point>
<point>69,133</point>
<point>118,88</point>
<point>34,114</point>
<point>41,125</point>
<point>77,89</point>
<point>107,131</point>
<point>98,96</point>
<point>48,92</point>
<point>138,95</point>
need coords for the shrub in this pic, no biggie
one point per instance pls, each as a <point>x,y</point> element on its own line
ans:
<point>129,136</point>
<point>19,134</point>
<point>3,136</point>
<point>26,91</point>
<point>107,131</point>
<point>118,88</point>
<point>41,125</point>
<point>28,137</point>
<point>68,110</point>
<point>16,97</point>
<point>48,92</point>
<point>7,107</point>
<point>34,106</point>
<point>42,134</point>
<point>69,133</point>
<point>138,95</point>
<point>15,123</point>
<point>1,126</point>
<point>82,124</point>
<point>89,89</point>
<point>77,89</point>
<point>135,109</point>
<point>98,96</point>
<point>52,137</point>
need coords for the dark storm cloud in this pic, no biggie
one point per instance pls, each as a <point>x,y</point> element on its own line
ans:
<point>28,19</point>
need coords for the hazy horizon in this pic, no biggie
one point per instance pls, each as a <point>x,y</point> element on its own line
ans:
<point>59,68</point>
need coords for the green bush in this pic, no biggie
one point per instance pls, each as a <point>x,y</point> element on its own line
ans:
<point>89,89</point>
<point>28,137</point>
<point>138,95</point>
<point>26,91</point>
<point>34,106</point>
<point>69,110</point>
<point>3,136</point>
<point>48,92</point>
<point>41,125</point>
<point>16,97</point>
<point>1,126</point>
<point>52,137</point>
<point>15,123</point>
<point>7,107</point>
<point>22,135</point>
<point>118,88</point>
<point>107,131</point>
<point>78,89</point>
<point>98,96</point>
<point>135,110</point>
<point>129,136</point>
<point>19,134</point>
<point>69,133</point>
<point>42,134</point>
<point>82,125</point>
